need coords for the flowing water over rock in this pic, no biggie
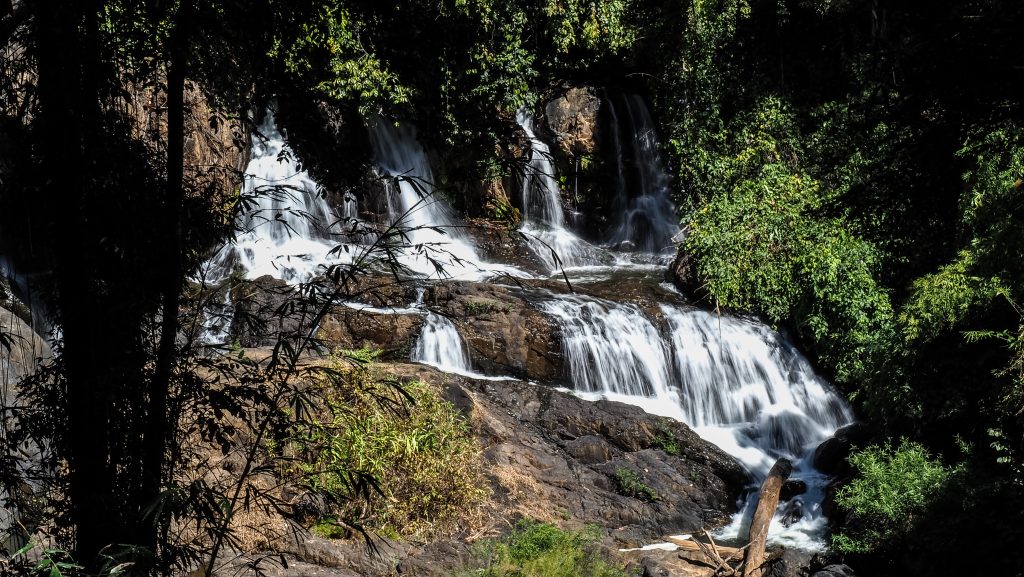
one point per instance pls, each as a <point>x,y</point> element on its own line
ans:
<point>290,230</point>
<point>543,217</point>
<point>440,345</point>
<point>647,220</point>
<point>437,247</point>
<point>736,382</point>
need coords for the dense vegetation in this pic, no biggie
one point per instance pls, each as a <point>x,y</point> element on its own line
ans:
<point>849,169</point>
<point>417,447</point>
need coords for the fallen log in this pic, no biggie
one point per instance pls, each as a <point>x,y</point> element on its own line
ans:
<point>734,553</point>
<point>767,502</point>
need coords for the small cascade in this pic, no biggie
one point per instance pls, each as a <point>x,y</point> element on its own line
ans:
<point>647,220</point>
<point>612,348</point>
<point>440,345</point>
<point>291,228</point>
<point>412,205</point>
<point>543,217</point>
<point>737,383</point>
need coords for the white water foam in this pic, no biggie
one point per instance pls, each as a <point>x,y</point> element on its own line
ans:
<point>737,383</point>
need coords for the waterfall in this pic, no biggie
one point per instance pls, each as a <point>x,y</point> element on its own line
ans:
<point>437,247</point>
<point>543,217</point>
<point>612,348</point>
<point>736,382</point>
<point>647,218</point>
<point>441,346</point>
<point>290,228</point>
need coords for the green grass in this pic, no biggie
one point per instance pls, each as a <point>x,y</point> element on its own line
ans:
<point>536,549</point>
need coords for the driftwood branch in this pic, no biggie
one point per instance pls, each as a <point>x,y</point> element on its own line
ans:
<point>768,501</point>
<point>718,556</point>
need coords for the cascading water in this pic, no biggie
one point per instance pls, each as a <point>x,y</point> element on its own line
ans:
<point>543,217</point>
<point>647,219</point>
<point>737,383</point>
<point>413,206</point>
<point>291,229</point>
<point>440,345</point>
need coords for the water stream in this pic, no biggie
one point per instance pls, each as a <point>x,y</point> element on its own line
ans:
<point>736,382</point>
<point>435,246</point>
<point>646,216</point>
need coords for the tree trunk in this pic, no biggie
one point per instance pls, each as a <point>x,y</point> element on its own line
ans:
<point>158,430</point>
<point>767,501</point>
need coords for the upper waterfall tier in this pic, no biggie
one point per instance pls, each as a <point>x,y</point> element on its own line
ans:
<point>543,217</point>
<point>645,218</point>
<point>435,245</point>
<point>288,229</point>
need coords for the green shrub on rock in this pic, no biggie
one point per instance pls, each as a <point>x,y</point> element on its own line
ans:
<point>413,444</point>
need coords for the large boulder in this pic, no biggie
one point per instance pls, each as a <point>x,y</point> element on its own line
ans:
<point>505,334</point>
<point>572,119</point>
<point>21,350</point>
<point>555,457</point>
<point>830,456</point>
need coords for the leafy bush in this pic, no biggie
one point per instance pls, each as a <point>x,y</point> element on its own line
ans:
<point>415,445</point>
<point>762,245</point>
<point>543,550</point>
<point>894,486</point>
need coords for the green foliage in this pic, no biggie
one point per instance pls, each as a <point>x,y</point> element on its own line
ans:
<point>893,487</point>
<point>666,441</point>
<point>762,244</point>
<point>592,26</point>
<point>325,46</point>
<point>628,483</point>
<point>543,550</point>
<point>942,301</point>
<point>479,307</point>
<point>414,444</point>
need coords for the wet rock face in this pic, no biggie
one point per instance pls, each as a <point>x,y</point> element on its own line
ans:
<point>20,350</point>
<point>268,307</point>
<point>683,274</point>
<point>830,456</point>
<point>572,119</point>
